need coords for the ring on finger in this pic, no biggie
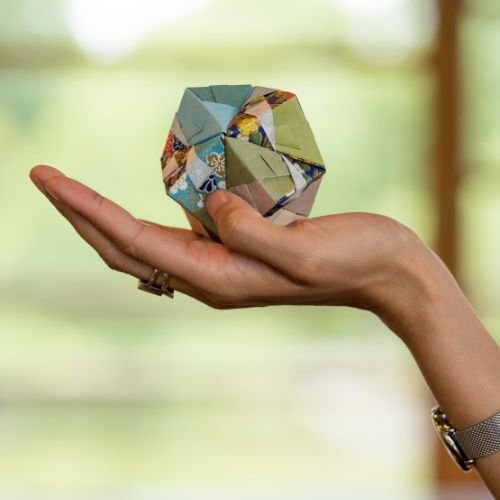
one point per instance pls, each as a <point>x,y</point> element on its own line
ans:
<point>150,285</point>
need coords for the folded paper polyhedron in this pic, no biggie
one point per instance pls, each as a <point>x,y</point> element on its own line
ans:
<point>253,141</point>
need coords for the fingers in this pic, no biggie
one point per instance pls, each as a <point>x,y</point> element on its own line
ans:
<point>143,242</point>
<point>114,258</point>
<point>244,230</point>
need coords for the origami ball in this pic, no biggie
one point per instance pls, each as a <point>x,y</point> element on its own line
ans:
<point>253,141</point>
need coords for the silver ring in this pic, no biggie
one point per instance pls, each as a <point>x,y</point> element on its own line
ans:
<point>150,285</point>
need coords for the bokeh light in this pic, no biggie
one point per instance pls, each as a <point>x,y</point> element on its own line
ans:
<point>110,30</point>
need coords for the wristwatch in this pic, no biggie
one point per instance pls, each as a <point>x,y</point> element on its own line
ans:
<point>471,443</point>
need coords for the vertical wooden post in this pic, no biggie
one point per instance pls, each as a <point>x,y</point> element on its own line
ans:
<point>446,175</point>
<point>447,148</point>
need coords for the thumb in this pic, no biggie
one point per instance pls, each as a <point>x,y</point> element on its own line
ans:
<point>243,229</point>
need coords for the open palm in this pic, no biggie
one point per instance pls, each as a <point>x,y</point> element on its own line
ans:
<point>335,259</point>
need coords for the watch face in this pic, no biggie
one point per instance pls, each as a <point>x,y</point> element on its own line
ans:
<point>446,433</point>
<point>455,451</point>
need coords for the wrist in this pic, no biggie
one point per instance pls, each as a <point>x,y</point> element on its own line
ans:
<point>413,291</point>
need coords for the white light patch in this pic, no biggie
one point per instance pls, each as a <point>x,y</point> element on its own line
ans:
<point>368,8</point>
<point>387,31</point>
<point>110,30</point>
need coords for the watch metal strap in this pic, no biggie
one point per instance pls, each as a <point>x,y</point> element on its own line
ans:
<point>481,439</point>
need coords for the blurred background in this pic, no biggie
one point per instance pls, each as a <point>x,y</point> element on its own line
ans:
<point>109,393</point>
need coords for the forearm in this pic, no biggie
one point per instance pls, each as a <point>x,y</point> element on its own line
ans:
<point>457,356</point>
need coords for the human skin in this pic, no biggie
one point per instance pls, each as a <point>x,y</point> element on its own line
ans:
<point>361,260</point>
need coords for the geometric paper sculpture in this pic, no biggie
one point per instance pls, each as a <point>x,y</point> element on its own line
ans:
<point>253,141</point>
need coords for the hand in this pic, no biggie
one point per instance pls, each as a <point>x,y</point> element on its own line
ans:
<point>345,259</point>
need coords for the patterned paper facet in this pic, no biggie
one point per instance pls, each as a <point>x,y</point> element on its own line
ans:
<point>253,141</point>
